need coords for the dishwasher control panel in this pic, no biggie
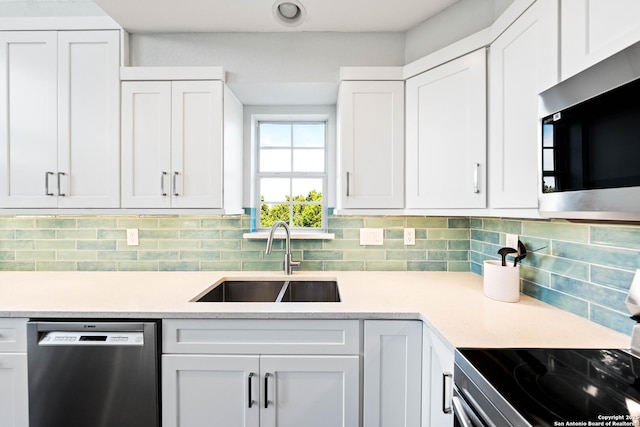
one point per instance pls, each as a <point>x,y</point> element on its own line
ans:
<point>91,338</point>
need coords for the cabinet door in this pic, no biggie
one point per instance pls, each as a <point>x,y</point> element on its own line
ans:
<point>310,391</point>
<point>371,145</point>
<point>197,169</point>
<point>441,382</point>
<point>392,373</point>
<point>14,410</point>
<point>89,119</point>
<point>146,144</point>
<point>28,146</point>
<point>593,30</point>
<point>523,62</point>
<point>446,135</point>
<point>206,390</point>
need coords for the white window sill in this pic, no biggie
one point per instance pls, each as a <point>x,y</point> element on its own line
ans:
<point>295,235</point>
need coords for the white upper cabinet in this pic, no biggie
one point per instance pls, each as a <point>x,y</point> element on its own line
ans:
<point>88,119</point>
<point>371,145</point>
<point>146,144</point>
<point>59,108</point>
<point>523,61</point>
<point>593,30</point>
<point>173,144</point>
<point>446,135</point>
<point>28,118</point>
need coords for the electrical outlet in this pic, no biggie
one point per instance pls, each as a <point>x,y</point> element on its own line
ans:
<point>132,237</point>
<point>371,236</point>
<point>512,241</point>
<point>409,236</point>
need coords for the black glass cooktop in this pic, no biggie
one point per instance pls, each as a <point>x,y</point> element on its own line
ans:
<point>563,387</point>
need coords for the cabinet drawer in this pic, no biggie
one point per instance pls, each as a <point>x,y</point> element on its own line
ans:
<point>13,335</point>
<point>253,336</point>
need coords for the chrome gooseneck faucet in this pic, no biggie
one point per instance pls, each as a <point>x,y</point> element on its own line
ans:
<point>288,262</point>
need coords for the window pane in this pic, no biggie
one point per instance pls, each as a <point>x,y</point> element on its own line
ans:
<point>548,164</point>
<point>270,213</point>
<point>275,189</point>
<point>308,135</point>
<point>307,216</point>
<point>307,189</point>
<point>275,160</point>
<point>275,135</point>
<point>309,160</point>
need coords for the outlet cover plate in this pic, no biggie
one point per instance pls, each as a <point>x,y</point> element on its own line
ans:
<point>409,236</point>
<point>512,241</point>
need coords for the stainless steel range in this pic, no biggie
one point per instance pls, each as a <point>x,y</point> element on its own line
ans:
<point>547,387</point>
<point>550,387</point>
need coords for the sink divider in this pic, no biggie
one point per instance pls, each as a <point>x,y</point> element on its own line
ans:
<point>285,285</point>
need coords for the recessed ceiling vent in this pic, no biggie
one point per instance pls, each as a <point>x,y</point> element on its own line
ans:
<point>289,12</point>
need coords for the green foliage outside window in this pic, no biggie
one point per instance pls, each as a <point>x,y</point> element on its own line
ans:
<point>307,211</point>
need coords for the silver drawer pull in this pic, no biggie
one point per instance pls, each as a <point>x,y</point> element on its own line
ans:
<point>447,377</point>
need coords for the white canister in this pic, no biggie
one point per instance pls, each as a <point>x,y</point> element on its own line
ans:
<point>501,283</point>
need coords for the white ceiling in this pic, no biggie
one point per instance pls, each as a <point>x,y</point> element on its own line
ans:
<point>140,16</point>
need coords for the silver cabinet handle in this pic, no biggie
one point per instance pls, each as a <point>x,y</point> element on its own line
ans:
<point>162,176</point>
<point>348,175</point>
<point>46,184</point>
<point>476,178</point>
<point>175,188</point>
<point>59,175</point>
<point>250,398</point>
<point>447,377</point>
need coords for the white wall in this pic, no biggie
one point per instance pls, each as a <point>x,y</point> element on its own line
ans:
<point>308,61</point>
<point>24,8</point>
<point>462,19</point>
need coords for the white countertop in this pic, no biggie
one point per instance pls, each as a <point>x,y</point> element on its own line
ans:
<point>452,303</point>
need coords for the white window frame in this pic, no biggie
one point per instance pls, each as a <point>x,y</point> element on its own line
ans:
<point>307,113</point>
<point>292,175</point>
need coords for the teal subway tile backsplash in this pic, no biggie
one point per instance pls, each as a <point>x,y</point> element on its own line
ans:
<point>192,242</point>
<point>579,267</point>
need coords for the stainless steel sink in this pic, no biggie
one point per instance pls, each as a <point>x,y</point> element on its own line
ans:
<point>276,290</point>
<point>311,291</point>
<point>243,291</point>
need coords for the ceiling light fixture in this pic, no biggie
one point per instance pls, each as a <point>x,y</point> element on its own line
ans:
<point>289,12</point>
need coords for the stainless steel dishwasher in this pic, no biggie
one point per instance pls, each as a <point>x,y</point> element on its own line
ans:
<point>98,374</point>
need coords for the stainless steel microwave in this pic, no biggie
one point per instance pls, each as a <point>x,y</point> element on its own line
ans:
<point>589,151</point>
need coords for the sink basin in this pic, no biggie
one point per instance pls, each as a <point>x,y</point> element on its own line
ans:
<point>244,291</point>
<point>311,291</point>
<point>276,290</point>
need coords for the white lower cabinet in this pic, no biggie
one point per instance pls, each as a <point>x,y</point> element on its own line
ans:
<point>276,389</point>
<point>14,397</point>
<point>438,361</point>
<point>267,391</point>
<point>392,373</point>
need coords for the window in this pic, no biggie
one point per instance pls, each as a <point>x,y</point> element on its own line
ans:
<point>291,176</point>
